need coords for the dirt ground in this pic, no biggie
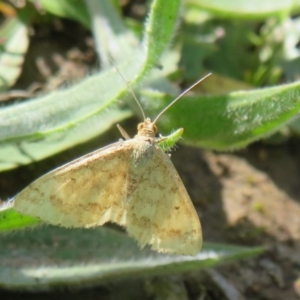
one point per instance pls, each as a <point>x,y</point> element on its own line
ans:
<point>250,197</point>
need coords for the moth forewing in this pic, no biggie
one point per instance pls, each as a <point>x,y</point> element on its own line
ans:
<point>86,192</point>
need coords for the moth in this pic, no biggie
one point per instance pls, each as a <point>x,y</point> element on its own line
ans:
<point>132,183</point>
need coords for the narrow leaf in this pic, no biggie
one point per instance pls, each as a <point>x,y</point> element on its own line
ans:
<point>230,121</point>
<point>13,48</point>
<point>255,9</point>
<point>82,257</point>
<point>71,9</point>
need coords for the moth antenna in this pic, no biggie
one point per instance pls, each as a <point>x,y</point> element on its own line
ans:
<point>179,97</point>
<point>130,90</point>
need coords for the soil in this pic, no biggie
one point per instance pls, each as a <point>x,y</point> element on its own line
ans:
<point>249,197</point>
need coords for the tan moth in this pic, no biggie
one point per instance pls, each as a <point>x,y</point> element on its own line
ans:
<point>132,183</point>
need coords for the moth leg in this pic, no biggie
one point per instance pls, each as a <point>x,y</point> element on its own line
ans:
<point>124,134</point>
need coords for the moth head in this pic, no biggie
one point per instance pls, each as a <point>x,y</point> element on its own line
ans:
<point>147,128</point>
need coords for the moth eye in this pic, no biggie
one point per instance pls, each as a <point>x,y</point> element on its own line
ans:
<point>140,126</point>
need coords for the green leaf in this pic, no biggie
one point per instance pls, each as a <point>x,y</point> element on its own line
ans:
<point>15,43</point>
<point>229,121</point>
<point>169,141</point>
<point>70,9</point>
<point>11,220</point>
<point>112,42</point>
<point>160,27</point>
<point>255,9</point>
<point>92,256</point>
<point>40,127</point>
<point>211,43</point>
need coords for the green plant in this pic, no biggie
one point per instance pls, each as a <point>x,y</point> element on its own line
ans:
<point>224,120</point>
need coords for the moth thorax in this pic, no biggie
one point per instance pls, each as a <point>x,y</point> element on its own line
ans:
<point>147,128</point>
